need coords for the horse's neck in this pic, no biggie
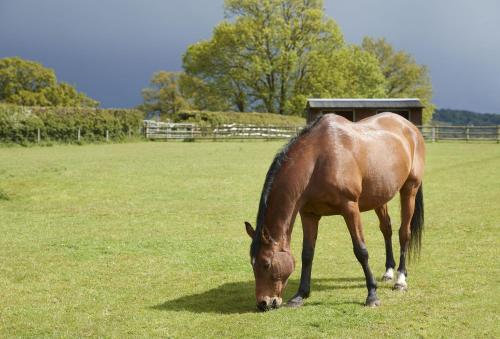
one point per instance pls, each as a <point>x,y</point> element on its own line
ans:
<point>283,204</point>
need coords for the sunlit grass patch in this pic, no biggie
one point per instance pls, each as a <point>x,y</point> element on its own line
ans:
<point>147,240</point>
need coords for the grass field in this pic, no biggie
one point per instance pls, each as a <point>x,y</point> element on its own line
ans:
<point>147,239</point>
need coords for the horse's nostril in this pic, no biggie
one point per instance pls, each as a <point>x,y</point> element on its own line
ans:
<point>275,303</point>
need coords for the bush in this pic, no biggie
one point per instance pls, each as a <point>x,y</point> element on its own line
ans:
<point>20,124</point>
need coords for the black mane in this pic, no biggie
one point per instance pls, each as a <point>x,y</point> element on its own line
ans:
<point>279,159</point>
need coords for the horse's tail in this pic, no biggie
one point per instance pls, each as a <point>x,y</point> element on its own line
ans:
<point>417,225</point>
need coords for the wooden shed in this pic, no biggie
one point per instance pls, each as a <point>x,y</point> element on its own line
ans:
<point>357,109</point>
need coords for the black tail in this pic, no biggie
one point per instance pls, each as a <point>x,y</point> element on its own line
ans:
<point>417,225</point>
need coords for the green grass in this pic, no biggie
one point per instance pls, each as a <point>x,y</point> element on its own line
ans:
<point>147,239</point>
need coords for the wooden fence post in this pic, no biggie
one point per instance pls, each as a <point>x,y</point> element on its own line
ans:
<point>433,134</point>
<point>107,135</point>
<point>498,134</point>
<point>79,134</point>
<point>467,134</point>
<point>38,137</point>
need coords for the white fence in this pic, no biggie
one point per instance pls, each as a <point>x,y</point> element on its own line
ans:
<point>184,131</point>
<point>463,133</point>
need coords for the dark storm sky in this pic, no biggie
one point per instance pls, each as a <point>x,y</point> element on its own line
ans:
<point>110,48</point>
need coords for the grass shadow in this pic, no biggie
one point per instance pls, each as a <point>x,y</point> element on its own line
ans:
<point>238,297</point>
<point>4,195</point>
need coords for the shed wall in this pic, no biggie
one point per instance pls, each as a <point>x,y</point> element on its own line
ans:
<point>415,114</point>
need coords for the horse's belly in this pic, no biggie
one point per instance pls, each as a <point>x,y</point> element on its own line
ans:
<point>378,191</point>
<point>321,208</point>
<point>372,202</point>
<point>382,178</point>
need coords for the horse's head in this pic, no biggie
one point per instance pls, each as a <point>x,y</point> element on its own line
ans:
<point>272,266</point>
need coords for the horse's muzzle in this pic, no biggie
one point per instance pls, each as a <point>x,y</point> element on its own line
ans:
<point>268,304</point>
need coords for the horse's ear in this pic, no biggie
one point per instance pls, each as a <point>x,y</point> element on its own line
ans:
<point>250,230</point>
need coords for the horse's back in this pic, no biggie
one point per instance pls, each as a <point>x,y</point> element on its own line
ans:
<point>375,131</point>
<point>369,160</point>
<point>411,137</point>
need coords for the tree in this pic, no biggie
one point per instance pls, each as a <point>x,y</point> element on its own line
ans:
<point>29,83</point>
<point>260,58</point>
<point>199,95</point>
<point>404,77</point>
<point>221,65</point>
<point>270,55</point>
<point>163,94</point>
<point>348,72</point>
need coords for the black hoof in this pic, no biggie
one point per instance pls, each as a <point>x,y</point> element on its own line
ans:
<point>296,301</point>
<point>399,287</point>
<point>263,307</point>
<point>372,301</point>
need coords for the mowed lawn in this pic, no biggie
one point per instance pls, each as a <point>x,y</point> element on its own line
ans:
<point>147,239</point>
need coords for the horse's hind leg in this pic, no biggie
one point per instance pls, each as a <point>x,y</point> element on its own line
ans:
<point>310,230</point>
<point>407,193</point>
<point>352,217</point>
<point>386,228</point>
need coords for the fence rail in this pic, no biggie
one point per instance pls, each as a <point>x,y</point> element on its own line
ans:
<point>170,131</point>
<point>67,135</point>
<point>464,133</point>
<point>153,130</point>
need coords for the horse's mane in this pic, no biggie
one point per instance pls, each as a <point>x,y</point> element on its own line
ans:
<point>279,159</point>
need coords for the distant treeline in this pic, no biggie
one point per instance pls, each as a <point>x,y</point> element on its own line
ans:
<point>464,118</point>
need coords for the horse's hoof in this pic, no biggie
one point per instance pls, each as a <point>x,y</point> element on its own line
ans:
<point>372,302</point>
<point>399,287</point>
<point>388,275</point>
<point>386,278</point>
<point>295,302</point>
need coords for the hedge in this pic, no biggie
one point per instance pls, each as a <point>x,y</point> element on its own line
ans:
<point>20,124</point>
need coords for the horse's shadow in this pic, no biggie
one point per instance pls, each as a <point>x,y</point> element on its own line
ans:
<point>239,297</point>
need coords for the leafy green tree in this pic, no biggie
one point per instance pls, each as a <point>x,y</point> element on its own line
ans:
<point>348,72</point>
<point>260,57</point>
<point>404,77</point>
<point>201,96</point>
<point>221,65</point>
<point>270,55</point>
<point>29,83</point>
<point>163,95</point>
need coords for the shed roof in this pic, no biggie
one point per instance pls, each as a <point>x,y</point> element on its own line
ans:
<point>365,103</point>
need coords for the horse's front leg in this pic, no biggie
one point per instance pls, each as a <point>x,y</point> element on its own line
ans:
<point>310,231</point>
<point>352,217</point>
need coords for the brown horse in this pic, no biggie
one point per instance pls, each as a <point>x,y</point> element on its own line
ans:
<point>335,167</point>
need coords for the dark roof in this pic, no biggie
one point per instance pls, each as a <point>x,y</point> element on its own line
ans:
<point>365,103</point>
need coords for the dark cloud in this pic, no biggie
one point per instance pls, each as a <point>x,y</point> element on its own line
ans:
<point>459,40</point>
<point>109,49</point>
